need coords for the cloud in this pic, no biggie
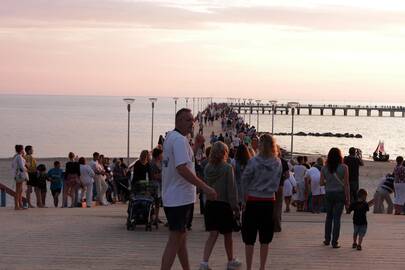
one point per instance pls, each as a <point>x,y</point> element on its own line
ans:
<point>118,13</point>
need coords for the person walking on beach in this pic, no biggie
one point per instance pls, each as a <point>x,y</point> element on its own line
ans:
<point>55,175</point>
<point>179,183</point>
<point>354,161</point>
<point>312,177</point>
<point>41,187</point>
<point>219,214</point>
<point>260,181</point>
<point>20,175</point>
<point>335,178</point>
<point>72,180</point>
<point>31,164</point>
<point>299,175</point>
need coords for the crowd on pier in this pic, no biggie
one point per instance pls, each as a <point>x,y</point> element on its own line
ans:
<point>242,179</point>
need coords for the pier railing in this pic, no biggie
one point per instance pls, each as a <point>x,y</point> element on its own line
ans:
<point>4,190</point>
<point>313,109</point>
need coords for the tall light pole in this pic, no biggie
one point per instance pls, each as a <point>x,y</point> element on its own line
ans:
<point>194,106</point>
<point>250,109</point>
<point>244,111</point>
<point>186,102</point>
<point>128,101</point>
<point>292,105</point>
<point>175,107</point>
<point>258,111</point>
<point>153,100</point>
<point>273,110</point>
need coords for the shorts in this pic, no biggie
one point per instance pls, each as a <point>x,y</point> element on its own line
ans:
<point>179,216</point>
<point>218,216</point>
<point>360,230</point>
<point>258,217</point>
<point>55,191</point>
<point>32,180</point>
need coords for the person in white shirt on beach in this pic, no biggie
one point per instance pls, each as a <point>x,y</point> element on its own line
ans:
<point>299,175</point>
<point>179,183</point>
<point>312,178</point>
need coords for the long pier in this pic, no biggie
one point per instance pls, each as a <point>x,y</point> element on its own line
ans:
<point>313,109</point>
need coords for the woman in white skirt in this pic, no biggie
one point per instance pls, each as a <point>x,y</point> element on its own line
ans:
<point>20,175</point>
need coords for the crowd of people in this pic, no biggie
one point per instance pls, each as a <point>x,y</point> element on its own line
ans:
<point>241,176</point>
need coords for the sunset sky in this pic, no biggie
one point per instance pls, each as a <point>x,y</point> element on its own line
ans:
<point>306,50</point>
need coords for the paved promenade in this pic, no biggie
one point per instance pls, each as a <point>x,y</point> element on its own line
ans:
<point>96,238</point>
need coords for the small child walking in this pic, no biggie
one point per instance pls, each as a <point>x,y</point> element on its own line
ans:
<point>360,208</point>
<point>41,187</point>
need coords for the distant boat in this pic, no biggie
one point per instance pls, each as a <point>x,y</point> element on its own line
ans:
<point>379,153</point>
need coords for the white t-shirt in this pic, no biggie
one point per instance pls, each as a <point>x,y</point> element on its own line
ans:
<point>236,142</point>
<point>315,175</point>
<point>176,191</point>
<point>299,172</point>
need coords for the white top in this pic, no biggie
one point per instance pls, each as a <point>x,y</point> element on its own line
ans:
<point>86,174</point>
<point>176,191</point>
<point>299,172</point>
<point>236,142</point>
<point>18,165</point>
<point>97,169</point>
<point>315,175</point>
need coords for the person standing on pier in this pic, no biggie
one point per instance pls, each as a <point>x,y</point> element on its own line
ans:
<point>179,183</point>
<point>31,164</point>
<point>353,161</point>
<point>260,181</point>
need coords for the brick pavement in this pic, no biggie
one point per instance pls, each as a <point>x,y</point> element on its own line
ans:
<point>96,238</point>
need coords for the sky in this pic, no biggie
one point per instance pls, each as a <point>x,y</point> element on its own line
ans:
<point>304,50</point>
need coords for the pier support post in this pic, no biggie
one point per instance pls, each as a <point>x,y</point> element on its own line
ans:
<point>403,113</point>
<point>321,111</point>
<point>345,112</point>
<point>357,112</point>
<point>368,112</point>
<point>298,111</point>
<point>286,111</point>
<point>2,198</point>
<point>310,111</point>
<point>333,112</point>
<point>380,113</point>
<point>392,113</point>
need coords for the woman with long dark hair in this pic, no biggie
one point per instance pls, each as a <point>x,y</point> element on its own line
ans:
<point>242,157</point>
<point>335,178</point>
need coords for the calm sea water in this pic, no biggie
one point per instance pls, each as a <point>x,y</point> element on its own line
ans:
<point>56,125</point>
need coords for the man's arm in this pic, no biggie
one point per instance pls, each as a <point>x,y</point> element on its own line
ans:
<point>190,177</point>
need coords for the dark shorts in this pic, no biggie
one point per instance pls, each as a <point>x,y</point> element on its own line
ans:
<point>178,217</point>
<point>258,217</point>
<point>360,230</point>
<point>55,191</point>
<point>32,179</point>
<point>218,216</point>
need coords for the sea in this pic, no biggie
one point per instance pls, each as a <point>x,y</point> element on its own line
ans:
<point>56,125</point>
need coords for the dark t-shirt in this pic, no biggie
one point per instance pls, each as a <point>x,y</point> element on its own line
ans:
<point>360,209</point>
<point>284,164</point>
<point>72,167</point>
<point>140,171</point>
<point>354,164</point>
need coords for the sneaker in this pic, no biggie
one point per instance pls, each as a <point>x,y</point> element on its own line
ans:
<point>204,266</point>
<point>335,245</point>
<point>234,264</point>
<point>326,243</point>
<point>358,247</point>
<point>354,245</point>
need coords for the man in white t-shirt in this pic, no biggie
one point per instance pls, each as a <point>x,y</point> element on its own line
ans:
<point>312,178</point>
<point>179,183</point>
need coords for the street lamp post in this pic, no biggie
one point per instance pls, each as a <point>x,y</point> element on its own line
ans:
<point>250,110</point>
<point>273,110</point>
<point>292,105</point>
<point>194,107</point>
<point>128,101</point>
<point>186,102</point>
<point>175,107</point>
<point>258,111</point>
<point>153,100</point>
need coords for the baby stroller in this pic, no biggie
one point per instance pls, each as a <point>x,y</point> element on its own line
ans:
<point>141,206</point>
